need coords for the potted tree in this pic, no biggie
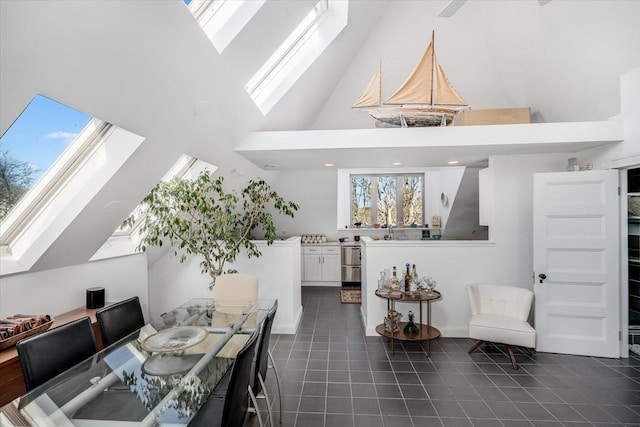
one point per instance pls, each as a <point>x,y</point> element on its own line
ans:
<point>197,216</point>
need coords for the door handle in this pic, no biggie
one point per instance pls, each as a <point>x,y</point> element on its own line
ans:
<point>542,276</point>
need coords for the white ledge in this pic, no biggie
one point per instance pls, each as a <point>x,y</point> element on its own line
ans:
<point>422,243</point>
<point>427,146</point>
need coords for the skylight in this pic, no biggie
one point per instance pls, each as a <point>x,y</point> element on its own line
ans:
<point>222,20</point>
<point>32,144</point>
<point>296,54</point>
<point>125,239</point>
<point>185,167</point>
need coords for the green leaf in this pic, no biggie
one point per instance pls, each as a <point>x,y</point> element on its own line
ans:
<point>199,217</point>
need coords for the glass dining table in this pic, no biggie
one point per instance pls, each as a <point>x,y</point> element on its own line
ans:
<point>159,375</point>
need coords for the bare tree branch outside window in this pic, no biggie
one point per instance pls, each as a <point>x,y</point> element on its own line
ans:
<point>387,190</point>
<point>396,198</point>
<point>16,177</point>
<point>361,199</point>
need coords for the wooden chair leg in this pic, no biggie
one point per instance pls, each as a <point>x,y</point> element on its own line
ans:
<point>514,364</point>
<point>527,350</point>
<point>475,347</point>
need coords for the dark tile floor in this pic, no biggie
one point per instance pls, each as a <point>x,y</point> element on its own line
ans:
<point>335,376</point>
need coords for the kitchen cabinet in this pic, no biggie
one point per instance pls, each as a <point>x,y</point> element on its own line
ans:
<point>321,264</point>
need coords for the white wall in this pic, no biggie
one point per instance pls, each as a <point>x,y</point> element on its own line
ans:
<point>508,259</point>
<point>172,283</point>
<point>627,152</point>
<point>63,289</point>
<point>501,54</point>
<point>315,192</point>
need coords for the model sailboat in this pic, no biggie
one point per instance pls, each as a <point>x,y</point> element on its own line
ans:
<point>426,98</point>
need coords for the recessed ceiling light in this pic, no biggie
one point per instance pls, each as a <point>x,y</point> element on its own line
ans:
<point>269,167</point>
<point>453,162</point>
<point>396,163</point>
<point>328,164</point>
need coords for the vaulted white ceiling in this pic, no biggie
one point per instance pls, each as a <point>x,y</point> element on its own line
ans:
<point>147,66</point>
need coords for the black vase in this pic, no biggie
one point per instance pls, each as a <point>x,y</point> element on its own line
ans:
<point>410,327</point>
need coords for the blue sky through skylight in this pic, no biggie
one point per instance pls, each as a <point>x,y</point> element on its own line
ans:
<point>42,132</point>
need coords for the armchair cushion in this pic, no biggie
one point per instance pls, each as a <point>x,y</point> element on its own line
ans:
<point>502,329</point>
<point>499,314</point>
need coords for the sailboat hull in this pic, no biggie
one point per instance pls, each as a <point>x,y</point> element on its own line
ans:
<point>414,116</point>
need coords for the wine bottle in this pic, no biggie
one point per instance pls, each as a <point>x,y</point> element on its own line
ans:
<point>395,284</point>
<point>414,279</point>
<point>407,278</point>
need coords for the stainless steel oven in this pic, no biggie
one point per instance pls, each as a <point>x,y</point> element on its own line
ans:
<point>351,265</point>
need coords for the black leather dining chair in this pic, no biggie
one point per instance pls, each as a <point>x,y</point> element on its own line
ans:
<point>263,355</point>
<point>50,353</point>
<point>231,409</point>
<point>119,320</point>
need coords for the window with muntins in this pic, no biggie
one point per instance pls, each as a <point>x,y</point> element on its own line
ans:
<point>387,199</point>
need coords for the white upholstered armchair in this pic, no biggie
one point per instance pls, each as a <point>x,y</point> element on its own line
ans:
<point>233,291</point>
<point>499,314</point>
<point>235,287</point>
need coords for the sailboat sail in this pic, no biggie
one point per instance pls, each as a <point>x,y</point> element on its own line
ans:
<point>371,96</point>
<point>417,88</point>
<point>426,98</point>
<point>443,92</point>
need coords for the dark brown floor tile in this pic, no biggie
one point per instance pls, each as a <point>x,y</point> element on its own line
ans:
<point>367,421</point>
<point>426,421</point>
<point>314,389</point>
<point>396,421</point>
<point>534,411</point>
<point>391,391</point>
<point>345,420</point>
<point>363,390</point>
<point>491,394</point>
<point>393,407</point>
<point>456,422</point>
<point>420,407</point>
<point>330,360</point>
<point>361,377</point>
<point>381,377</point>
<point>448,408</point>
<point>312,404</point>
<point>477,410</point>
<point>505,410</point>
<point>316,376</point>
<point>339,405</point>
<point>407,378</point>
<point>310,420</point>
<point>413,392</point>
<point>339,389</point>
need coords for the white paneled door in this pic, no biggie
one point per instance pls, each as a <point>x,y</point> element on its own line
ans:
<point>576,262</point>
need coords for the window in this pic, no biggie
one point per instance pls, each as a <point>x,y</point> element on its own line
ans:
<point>296,54</point>
<point>222,20</point>
<point>125,238</point>
<point>397,199</point>
<point>32,144</point>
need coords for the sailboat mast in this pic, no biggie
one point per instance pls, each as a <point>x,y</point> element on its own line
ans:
<point>433,65</point>
<point>380,85</point>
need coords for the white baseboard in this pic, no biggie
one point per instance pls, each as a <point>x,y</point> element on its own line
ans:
<point>288,328</point>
